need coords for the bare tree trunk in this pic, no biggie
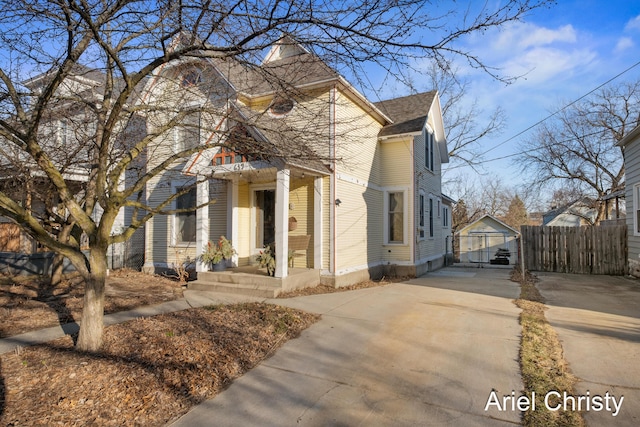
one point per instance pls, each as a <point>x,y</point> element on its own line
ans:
<point>56,269</point>
<point>91,324</point>
<point>58,259</point>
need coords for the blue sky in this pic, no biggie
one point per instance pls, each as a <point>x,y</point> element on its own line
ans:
<point>564,51</point>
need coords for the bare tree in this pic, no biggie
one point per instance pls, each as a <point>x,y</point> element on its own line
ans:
<point>463,119</point>
<point>577,149</point>
<point>84,66</point>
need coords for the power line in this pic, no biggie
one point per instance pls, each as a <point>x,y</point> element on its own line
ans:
<point>561,109</point>
<point>506,156</point>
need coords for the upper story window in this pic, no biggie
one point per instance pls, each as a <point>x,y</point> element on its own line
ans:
<point>281,106</point>
<point>227,156</point>
<point>428,150</point>
<point>63,136</point>
<point>192,77</point>
<point>188,135</point>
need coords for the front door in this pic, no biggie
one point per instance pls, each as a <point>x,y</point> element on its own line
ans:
<point>265,212</point>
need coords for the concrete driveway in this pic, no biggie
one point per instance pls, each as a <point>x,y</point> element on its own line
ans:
<point>424,352</point>
<point>597,319</point>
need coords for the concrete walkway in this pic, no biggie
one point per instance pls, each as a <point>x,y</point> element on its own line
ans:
<point>597,319</point>
<point>424,352</point>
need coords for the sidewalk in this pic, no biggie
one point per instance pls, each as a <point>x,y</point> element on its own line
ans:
<point>191,299</point>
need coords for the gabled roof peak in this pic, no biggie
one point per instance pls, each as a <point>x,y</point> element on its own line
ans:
<point>284,48</point>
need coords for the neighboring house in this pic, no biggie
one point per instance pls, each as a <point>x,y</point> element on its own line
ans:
<point>480,240</point>
<point>361,179</point>
<point>631,151</point>
<point>574,214</point>
<point>67,134</point>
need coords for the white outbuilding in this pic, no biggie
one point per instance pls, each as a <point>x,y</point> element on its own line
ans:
<point>488,240</point>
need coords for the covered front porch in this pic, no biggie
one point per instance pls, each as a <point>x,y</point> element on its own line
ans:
<point>266,203</point>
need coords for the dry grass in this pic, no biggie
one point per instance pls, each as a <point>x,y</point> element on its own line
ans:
<point>148,372</point>
<point>542,362</point>
<point>326,289</point>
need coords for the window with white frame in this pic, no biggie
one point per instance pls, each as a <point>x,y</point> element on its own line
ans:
<point>395,217</point>
<point>428,147</point>
<point>63,136</point>
<point>438,211</point>
<point>430,217</point>
<point>421,217</point>
<point>185,222</point>
<point>445,216</point>
<point>636,208</point>
<point>188,135</point>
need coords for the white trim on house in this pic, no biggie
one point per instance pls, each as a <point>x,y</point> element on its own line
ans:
<point>253,188</point>
<point>317,222</point>
<point>422,204</point>
<point>173,218</point>
<point>405,215</point>
<point>636,209</point>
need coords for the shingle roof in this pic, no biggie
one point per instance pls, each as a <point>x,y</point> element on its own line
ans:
<point>287,72</point>
<point>409,113</point>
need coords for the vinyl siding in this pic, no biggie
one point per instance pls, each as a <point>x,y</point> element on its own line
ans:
<point>632,177</point>
<point>327,206</point>
<point>397,176</point>
<point>218,210</point>
<point>429,184</point>
<point>357,144</point>
<point>359,224</point>
<point>301,199</point>
<point>244,225</point>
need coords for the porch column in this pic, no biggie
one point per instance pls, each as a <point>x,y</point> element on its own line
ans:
<point>317,223</point>
<point>282,223</point>
<point>232,217</point>
<point>202,222</point>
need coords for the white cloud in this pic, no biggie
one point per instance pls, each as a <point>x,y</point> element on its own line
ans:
<point>623,44</point>
<point>524,35</point>
<point>543,64</point>
<point>633,24</point>
<point>538,53</point>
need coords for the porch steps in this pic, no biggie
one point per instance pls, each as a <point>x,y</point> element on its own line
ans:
<point>253,281</point>
<point>262,291</point>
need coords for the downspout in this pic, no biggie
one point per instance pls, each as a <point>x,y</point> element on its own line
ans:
<point>333,259</point>
<point>413,228</point>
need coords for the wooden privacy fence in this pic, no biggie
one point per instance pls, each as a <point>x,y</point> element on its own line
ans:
<point>579,250</point>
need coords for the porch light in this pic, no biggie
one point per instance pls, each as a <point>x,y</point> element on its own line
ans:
<point>338,201</point>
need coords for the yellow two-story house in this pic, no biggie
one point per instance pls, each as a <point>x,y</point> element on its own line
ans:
<point>290,149</point>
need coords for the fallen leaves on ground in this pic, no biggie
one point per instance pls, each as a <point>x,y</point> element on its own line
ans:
<point>149,371</point>
<point>326,289</point>
<point>28,303</point>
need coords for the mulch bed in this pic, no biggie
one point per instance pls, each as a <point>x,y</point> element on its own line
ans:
<point>27,303</point>
<point>149,371</point>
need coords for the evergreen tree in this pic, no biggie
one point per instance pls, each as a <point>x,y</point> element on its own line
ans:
<point>516,213</point>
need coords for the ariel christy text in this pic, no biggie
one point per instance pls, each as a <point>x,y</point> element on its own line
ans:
<point>556,401</point>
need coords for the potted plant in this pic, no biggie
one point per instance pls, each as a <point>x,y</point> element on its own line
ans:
<point>267,258</point>
<point>217,253</point>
